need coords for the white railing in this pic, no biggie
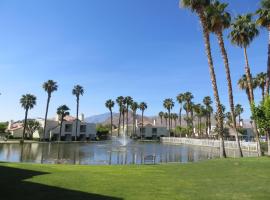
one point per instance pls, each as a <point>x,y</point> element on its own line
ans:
<point>246,146</point>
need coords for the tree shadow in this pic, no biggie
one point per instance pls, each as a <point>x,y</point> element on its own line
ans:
<point>13,187</point>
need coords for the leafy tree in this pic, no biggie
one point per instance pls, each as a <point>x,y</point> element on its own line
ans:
<point>77,92</point>
<point>31,127</point>
<point>28,101</point>
<point>261,114</point>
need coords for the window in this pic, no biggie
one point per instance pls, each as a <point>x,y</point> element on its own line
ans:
<point>68,128</point>
<point>154,131</point>
<point>83,128</point>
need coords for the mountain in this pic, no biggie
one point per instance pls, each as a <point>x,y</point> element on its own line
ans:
<point>98,118</point>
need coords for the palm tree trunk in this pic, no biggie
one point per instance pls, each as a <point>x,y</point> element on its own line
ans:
<point>169,111</point>
<point>127,121</point>
<point>214,82</point>
<point>25,124</point>
<point>142,125</point>
<point>230,90</point>
<point>180,116</point>
<point>46,116</point>
<point>250,88</point>
<point>123,122</point>
<point>60,132</point>
<point>268,65</point>
<point>111,122</point>
<point>77,115</point>
<point>133,124</point>
<point>119,122</point>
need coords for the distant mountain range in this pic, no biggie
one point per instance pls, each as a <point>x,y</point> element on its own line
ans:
<point>98,118</point>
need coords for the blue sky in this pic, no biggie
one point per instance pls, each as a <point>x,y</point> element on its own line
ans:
<point>150,50</point>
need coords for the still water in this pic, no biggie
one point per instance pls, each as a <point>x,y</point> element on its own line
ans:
<point>103,153</point>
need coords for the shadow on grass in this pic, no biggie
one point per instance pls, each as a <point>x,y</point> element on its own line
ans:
<point>13,187</point>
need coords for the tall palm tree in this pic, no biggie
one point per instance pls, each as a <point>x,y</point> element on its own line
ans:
<point>168,104</point>
<point>119,101</point>
<point>198,6</point>
<point>219,20</point>
<point>243,32</point>
<point>77,91</point>
<point>264,21</point>
<point>28,101</point>
<point>110,104</point>
<point>180,98</point>
<point>260,81</point>
<point>50,86</point>
<point>134,107</point>
<point>62,111</point>
<point>161,114</point>
<point>143,107</point>
<point>128,101</point>
<point>238,111</point>
<point>166,116</point>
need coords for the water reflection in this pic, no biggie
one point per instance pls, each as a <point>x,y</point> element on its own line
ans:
<point>105,153</point>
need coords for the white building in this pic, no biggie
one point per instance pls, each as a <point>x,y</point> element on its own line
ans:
<point>86,131</point>
<point>151,131</point>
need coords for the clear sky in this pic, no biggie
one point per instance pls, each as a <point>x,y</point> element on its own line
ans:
<point>148,49</point>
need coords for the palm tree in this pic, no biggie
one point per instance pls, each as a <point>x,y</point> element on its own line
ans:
<point>180,98</point>
<point>161,114</point>
<point>219,20</point>
<point>143,107</point>
<point>77,91</point>
<point>238,111</point>
<point>28,101</point>
<point>166,116</point>
<point>198,6</point>
<point>110,104</point>
<point>134,107</point>
<point>260,81</point>
<point>243,85</point>
<point>128,101</point>
<point>174,117</point>
<point>208,102</point>
<point>168,104</point>
<point>50,86</point>
<point>188,107</point>
<point>264,21</point>
<point>199,110</point>
<point>243,32</point>
<point>119,101</point>
<point>62,111</point>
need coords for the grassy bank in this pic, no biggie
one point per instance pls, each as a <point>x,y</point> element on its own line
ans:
<point>247,178</point>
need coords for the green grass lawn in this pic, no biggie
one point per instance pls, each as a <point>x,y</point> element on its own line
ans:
<point>247,178</point>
